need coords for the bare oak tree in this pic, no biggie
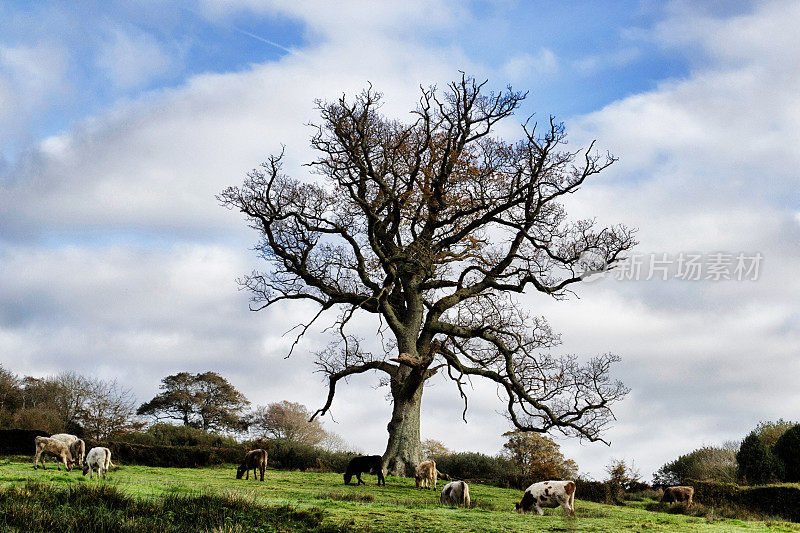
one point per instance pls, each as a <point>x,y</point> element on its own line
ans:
<point>433,225</point>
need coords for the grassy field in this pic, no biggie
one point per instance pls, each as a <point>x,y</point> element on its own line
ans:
<point>323,501</point>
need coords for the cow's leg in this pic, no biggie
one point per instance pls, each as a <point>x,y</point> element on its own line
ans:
<point>538,509</point>
<point>360,482</point>
<point>247,476</point>
<point>262,472</point>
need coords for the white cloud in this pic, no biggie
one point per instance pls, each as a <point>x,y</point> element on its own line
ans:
<point>31,78</point>
<point>528,66</point>
<point>132,58</point>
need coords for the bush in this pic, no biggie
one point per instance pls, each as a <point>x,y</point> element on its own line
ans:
<point>172,435</point>
<point>482,468</point>
<point>771,500</point>
<point>19,441</point>
<point>599,491</point>
<point>714,492</point>
<point>707,463</point>
<point>774,500</point>
<point>787,450</point>
<point>170,456</point>
<point>291,455</point>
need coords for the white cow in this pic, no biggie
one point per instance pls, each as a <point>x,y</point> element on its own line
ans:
<point>99,458</point>
<point>455,493</point>
<point>549,494</point>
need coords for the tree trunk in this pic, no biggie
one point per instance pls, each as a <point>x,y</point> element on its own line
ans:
<point>403,452</point>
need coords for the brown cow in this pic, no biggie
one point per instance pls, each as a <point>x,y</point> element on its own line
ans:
<point>56,448</point>
<point>678,494</point>
<point>426,473</point>
<point>255,459</point>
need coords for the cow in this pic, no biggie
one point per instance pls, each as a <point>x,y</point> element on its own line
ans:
<point>678,494</point>
<point>549,494</point>
<point>371,464</point>
<point>98,458</point>
<point>54,447</point>
<point>426,473</point>
<point>76,446</point>
<point>253,460</point>
<point>455,493</point>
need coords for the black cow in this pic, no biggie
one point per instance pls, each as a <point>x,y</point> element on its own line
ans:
<point>370,464</point>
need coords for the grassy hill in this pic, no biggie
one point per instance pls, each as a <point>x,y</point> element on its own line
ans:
<point>180,499</point>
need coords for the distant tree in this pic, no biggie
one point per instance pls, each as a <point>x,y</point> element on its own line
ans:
<point>71,394</point>
<point>10,390</point>
<point>109,410</point>
<point>538,456</point>
<point>175,402</point>
<point>707,463</point>
<point>433,448</point>
<point>287,420</point>
<point>220,405</point>
<point>622,474</point>
<point>336,443</point>
<point>205,400</point>
<point>787,450</point>
<point>756,462</point>
<point>769,432</point>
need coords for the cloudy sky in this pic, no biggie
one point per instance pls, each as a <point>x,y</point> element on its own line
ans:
<point>119,124</point>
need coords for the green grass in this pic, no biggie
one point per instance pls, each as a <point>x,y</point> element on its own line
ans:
<point>322,500</point>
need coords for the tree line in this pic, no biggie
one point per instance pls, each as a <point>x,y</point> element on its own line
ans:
<point>103,409</point>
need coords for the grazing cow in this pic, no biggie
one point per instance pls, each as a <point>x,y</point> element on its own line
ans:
<point>426,474</point>
<point>253,460</point>
<point>54,447</point>
<point>678,494</point>
<point>370,464</point>
<point>549,494</point>
<point>98,458</point>
<point>455,493</point>
<point>76,446</point>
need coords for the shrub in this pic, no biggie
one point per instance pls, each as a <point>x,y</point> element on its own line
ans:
<point>787,450</point>
<point>775,500</point>
<point>707,463</point>
<point>172,435</point>
<point>482,468</point>
<point>291,455</point>
<point>599,491</point>
<point>714,493</point>
<point>170,456</point>
<point>19,441</point>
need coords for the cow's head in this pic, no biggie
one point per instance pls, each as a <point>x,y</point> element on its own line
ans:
<point>240,470</point>
<point>347,478</point>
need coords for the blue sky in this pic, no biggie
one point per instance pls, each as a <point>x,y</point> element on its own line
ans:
<point>603,51</point>
<point>119,123</point>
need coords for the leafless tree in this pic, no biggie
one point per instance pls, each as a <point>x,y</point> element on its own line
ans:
<point>434,225</point>
<point>109,410</point>
<point>287,420</point>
